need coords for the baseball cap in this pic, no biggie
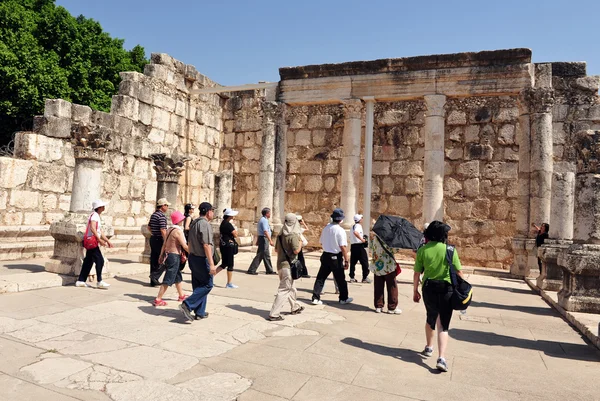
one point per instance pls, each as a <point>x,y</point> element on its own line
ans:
<point>163,201</point>
<point>357,217</point>
<point>230,212</point>
<point>205,207</point>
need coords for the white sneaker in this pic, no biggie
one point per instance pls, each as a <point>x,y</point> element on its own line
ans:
<point>317,302</point>
<point>347,301</point>
<point>377,310</point>
<point>82,284</point>
<point>231,285</point>
<point>103,285</point>
<point>396,311</point>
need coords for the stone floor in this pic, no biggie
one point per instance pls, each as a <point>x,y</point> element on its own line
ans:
<point>68,343</point>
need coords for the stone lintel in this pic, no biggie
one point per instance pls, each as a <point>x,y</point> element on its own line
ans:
<point>404,85</point>
<point>569,69</point>
<point>89,153</point>
<point>432,62</point>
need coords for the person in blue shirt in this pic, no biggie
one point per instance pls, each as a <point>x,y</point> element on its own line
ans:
<point>264,241</point>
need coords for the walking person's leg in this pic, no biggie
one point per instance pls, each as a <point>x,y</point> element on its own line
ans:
<point>378,301</point>
<point>443,324</point>
<point>285,279</point>
<point>201,283</point>
<point>267,258</point>
<point>392,293</point>
<point>364,262</point>
<point>156,244</point>
<point>322,275</point>
<point>354,257</point>
<point>86,267</point>
<point>339,276</point>
<point>99,261</point>
<point>258,257</point>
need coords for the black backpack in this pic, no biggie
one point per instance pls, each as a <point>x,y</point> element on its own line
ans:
<point>462,294</point>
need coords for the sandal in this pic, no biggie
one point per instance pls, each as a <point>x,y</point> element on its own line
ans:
<point>182,298</point>
<point>298,311</point>
<point>275,318</point>
<point>159,302</point>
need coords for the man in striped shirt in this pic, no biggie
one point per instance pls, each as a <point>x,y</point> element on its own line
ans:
<point>158,227</point>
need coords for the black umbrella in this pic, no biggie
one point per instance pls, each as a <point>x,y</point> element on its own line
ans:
<point>397,232</point>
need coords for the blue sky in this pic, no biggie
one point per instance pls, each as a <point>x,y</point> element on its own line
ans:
<point>235,42</point>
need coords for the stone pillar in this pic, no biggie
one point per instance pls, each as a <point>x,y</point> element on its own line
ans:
<point>368,166</point>
<point>433,183</point>
<point>168,170</point>
<point>266,177</point>
<point>280,170</point>
<point>223,193</point>
<point>350,159</point>
<point>561,227</point>
<point>89,150</point>
<point>580,290</point>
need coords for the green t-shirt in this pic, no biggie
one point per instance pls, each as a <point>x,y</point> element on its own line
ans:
<point>431,261</point>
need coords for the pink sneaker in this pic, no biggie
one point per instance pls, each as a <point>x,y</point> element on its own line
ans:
<point>181,299</point>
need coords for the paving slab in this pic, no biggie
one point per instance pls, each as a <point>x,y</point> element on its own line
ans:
<point>68,343</point>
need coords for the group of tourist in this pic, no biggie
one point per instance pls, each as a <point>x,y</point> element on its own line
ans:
<point>192,240</point>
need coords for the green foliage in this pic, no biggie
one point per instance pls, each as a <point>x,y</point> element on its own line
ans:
<point>45,52</point>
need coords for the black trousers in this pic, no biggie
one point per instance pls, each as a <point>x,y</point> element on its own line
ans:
<point>92,256</point>
<point>263,254</point>
<point>331,263</point>
<point>358,253</point>
<point>156,243</point>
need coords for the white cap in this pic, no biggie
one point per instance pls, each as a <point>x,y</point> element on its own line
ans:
<point>230,212</point>
<point>357,217</point>
<point>298,217</point>
<point>98,203</point>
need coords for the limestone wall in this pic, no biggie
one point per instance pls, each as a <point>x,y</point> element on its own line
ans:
<point>151,114</point>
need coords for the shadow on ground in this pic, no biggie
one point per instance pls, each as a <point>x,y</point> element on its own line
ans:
<point>535,310</point>
<point>403,354</point>
<point>29,267</point>
<point>250,310</point>
<point>581,352</point>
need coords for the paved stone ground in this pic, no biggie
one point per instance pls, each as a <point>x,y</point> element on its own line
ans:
<point>68,343</point>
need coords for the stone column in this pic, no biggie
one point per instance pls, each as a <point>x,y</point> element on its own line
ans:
<point>266,177</point>
<point>168,170</point>
<point>280,170</point>
<point>580,291</point>
<point>89,150</point>
<point>351,159</point>
<point>368,166</point>
<point>223,193</point>
<point>561,227</point>
<point>433,183</point>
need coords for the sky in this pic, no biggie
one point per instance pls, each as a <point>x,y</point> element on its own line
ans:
<point>236,42</point>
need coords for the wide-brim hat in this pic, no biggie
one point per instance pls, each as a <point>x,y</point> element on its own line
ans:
<point>163,201</point>
<point>98,203</point>
<point>177,217</point>
<point>337,215</point>
<point>230,212</point>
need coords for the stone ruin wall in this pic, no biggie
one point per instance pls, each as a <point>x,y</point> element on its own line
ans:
<point>151,114</point>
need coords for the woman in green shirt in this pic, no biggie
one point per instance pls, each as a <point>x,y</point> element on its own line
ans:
<point>437,287</point>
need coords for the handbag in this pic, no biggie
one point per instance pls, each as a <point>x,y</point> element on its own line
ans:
<point>231,244</point>
<point>462,293</point>
<point>295,266</point>
<point>398,268</point>
<point>90,242</point>
<point>216,256</point>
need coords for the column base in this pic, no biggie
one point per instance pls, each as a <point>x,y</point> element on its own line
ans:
<point>145,256</point>
<point>580,291</point>
<point>551,277</point>
<point>525,257</point>
<point>68,250</point>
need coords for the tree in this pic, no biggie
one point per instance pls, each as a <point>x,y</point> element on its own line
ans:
<point>45,52</point>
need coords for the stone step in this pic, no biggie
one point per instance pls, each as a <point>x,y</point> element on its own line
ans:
<point>25,250</point>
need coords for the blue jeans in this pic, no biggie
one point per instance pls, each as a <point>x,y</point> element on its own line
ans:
<point>202,283</point>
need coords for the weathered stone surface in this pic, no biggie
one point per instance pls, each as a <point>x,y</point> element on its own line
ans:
<point>393,117</point>
<point>13,172</point>
<point>29,145</point>
<point>57,127</point>
<point>320,121</point>
<point>52,370</point>
<point>303,138</point>
<point>57,108</point>
<point>25,199</point>
<point>456,118</point>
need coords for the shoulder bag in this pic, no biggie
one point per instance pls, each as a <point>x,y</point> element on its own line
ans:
<point>295,266</point>
<point>462,294</point>
<point>90,242</point>
<point>398,268</point>
<point>163,256</point>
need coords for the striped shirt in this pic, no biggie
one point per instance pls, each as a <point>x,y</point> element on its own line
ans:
<point>157,221</point>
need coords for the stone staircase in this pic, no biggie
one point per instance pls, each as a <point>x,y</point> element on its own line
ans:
<point>25,242</point>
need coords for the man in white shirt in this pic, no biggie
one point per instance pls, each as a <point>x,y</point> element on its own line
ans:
<point>335,249</point>
<point>358,253</point>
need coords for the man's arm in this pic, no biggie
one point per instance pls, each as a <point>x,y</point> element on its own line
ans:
<point>208,251</point>
<point>357,235</point>
<point>163,232</point>
<point>416,280</point>
<point>344,249</point>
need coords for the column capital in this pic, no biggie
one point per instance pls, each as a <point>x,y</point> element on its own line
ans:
<point>369,99</point>
<point>587,149</point>
<point>168,168</point>
<point>435,105</point>
<point>537,100</point>
<point>352,108</point>
<point>272,111</point>
<point>88,144</point>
